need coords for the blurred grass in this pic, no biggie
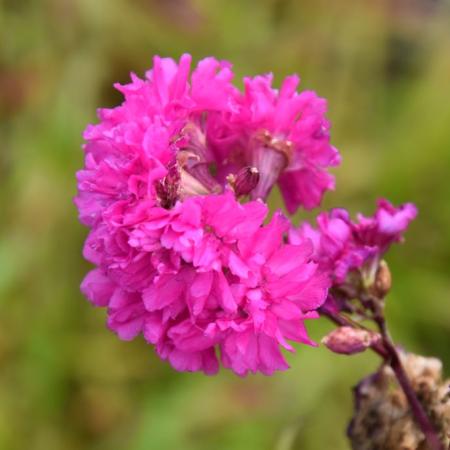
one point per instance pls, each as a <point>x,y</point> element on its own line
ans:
<point>65,382</point>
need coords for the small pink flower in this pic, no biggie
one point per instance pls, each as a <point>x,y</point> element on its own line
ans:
<point>342,245</point>
<point>386,226</point>
<point>285,135</point>
<point>164,118</point>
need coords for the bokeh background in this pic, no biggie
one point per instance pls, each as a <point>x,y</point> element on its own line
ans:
<point>68,383</point>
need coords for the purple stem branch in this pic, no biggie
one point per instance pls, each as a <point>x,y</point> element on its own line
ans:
<point>417,409</point>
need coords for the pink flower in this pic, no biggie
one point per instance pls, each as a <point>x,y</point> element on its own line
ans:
<point>198,130</point>
<point>283,288</point>
<point>203,277</point>
<point>164,118</point>
<point>285,135</point>
<point>248,306</point>
<point>342,245</point>
<point>386,227</point>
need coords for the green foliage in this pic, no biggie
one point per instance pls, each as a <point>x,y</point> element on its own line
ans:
<point>67,383</point>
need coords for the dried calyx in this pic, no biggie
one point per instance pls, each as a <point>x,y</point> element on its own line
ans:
<point>271,156</point>
<point>194,160</point>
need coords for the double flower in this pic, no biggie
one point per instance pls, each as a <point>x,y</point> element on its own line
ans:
<point>173,190</point>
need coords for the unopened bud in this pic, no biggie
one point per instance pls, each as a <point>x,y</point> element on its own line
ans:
<point>383,280</point>
<point>244,181</point>
<point>349,340</point>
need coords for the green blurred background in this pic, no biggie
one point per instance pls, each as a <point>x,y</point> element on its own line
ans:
<point>65,381</point>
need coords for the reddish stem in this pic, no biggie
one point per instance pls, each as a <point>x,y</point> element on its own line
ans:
<point>417,409</point>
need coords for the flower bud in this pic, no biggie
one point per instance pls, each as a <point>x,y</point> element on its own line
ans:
<point>383,280</point>
<point>244,181</point>
<point>348,340</point>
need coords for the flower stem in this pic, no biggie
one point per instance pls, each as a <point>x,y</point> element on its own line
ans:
<point>417,409</point>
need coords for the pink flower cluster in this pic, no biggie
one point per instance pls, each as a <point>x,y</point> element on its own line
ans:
<point>173,190</point>
<point>179,257</point>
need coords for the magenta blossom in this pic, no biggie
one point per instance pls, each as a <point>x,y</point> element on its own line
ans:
<point>286,136</point>
<point>179,259</point>
<point>342,246</point>
<point>205,278</point>
<point>162,124</point>
<point>178,135</point>
<point>173,191</point>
